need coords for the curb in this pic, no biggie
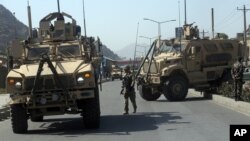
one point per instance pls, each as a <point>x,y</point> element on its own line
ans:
<point>240,106</point>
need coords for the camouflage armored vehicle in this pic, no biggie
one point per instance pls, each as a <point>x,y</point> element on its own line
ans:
<point>57,73</point>
<point>116,73</point>
<point>176,66</point>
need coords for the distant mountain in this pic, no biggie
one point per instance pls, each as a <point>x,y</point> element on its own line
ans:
<point>109,53</point>
<point>127,52</point>
<point>10,28</point>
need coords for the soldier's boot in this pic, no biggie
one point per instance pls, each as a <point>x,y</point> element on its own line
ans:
<point>135,108</point>
<point>126,107</point>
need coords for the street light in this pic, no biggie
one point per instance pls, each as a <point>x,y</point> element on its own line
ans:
<point>150,38</point>
<point>159,26</point>
<point>145,48</point>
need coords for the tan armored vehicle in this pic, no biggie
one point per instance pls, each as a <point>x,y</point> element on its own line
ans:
<point>177,66</point>
<point>116,73</point>
<point>57,73</point>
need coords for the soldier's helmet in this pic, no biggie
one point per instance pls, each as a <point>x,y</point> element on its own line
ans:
<point>240,59</point>
<point>127,68</point>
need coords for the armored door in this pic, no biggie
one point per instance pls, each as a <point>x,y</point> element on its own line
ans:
<point>194,63</point>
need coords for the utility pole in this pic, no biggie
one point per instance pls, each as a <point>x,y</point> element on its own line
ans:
<point>135,46</point>
<point>58,6</point>
<point>185,10</point>
<point>212,10</point>
<point>203,33</point>
<point>245,31</point>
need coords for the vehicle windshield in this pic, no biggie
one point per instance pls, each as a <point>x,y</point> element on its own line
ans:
<point>69,51</point>
<point>168,48</point>
<point>36,53</point>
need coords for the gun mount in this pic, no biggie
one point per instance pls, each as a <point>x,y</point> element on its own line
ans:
<point>54,28</point>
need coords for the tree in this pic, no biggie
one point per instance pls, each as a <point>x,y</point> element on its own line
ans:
<point>221,36</point>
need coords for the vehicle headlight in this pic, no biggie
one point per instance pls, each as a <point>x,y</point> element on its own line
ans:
<point>87,75</point>
<point>15,82</point>
<point>80,80</point>
<point>18,85</point>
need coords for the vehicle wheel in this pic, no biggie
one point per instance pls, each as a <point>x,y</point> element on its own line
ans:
<point>147,93</point>
<point>36,118</point>
<point>91,112</point>
<point>19,118</point>
<point>176,89</point>
<point>112,78</point>
<point>207,95</point>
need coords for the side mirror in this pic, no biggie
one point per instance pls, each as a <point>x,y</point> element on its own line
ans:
<point>193,50</point>
<point>10,62</point>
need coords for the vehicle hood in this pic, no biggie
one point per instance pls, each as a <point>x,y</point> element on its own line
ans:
<point>62,67</point>
<point>172,55</point>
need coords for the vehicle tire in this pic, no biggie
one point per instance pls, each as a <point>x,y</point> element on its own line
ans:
<point>112,78</point>
<point>36,118</point>
<point>207,95</point>
<point>91,112</point>
<point>176,89</point>
<point>19,118</point>
<point>147,94</point>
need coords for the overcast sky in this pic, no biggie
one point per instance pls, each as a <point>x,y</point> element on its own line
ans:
<point>115,21</point>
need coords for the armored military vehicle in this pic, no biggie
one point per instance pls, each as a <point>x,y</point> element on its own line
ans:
<point>177,65</point>
<point>116,73</point>
<point>56,73</point>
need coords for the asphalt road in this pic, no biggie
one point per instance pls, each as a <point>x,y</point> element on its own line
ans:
<point>195,119</point>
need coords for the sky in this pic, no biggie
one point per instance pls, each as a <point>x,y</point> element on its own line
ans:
<point>116,21</point>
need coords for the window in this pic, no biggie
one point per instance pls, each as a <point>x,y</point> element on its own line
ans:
<point>210,47</point>
<point>36,53</point>
<point>69,51</point>
<point>226,46</point>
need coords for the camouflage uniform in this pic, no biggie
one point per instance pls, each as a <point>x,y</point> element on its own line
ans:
<point>237,75</point>
<point>129,91</point>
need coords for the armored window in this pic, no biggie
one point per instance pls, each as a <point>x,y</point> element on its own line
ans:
<point>69,51</point>
<point>36,53</point>
<point>210,47</point>
<point>226,46</point>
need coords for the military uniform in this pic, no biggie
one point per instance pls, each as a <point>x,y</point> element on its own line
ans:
<point>237,75</point>
<point>129,91</point>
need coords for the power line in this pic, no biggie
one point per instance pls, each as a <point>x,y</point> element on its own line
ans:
<point>227,18</point>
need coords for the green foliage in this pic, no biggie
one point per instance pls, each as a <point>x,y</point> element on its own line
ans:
<point>227,90</point>
<point>221,35</point>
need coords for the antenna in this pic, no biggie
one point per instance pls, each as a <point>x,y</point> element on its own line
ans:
<point>29,20</point>
<point>58,5</point>
<point>84,22</point>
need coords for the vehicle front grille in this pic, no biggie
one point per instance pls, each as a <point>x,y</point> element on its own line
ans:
<point>48,82</point>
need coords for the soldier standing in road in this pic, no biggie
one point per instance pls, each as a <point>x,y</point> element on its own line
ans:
<point>237,75</point>
<point>129,90</point>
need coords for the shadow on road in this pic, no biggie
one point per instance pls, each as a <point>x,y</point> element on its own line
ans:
<point>110,124</point>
